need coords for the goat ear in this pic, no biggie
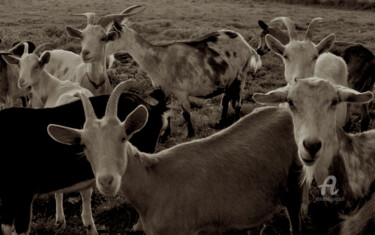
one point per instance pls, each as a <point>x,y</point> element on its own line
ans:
<point>275,45</point>
<point>44,58</point>
<point>64,135</point>
<point>325,44</point>
<point>73,32</point>
<point>273,97</point>
<point>111,36</point>
<point>135,121</point>
<point>11,59</point>
<point>263,25</point>
<point>352,96</point>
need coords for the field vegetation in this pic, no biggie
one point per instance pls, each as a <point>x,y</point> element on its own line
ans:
<point>163,21</point>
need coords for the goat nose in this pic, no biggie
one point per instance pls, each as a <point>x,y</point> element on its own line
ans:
<point>106,180</point>
<point>85,52</point>
<point>21,83</point>
<point>312,146</point>
<point>260,51</point>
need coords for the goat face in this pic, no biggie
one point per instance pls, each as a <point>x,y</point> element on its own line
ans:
<point>299,57</point>
<point>274,31</point>
<point>94,39</point>
<point>31,68</point>
<point>105,141</point>
<point>313,102</point>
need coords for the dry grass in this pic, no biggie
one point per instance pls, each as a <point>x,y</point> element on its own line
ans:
<point>163,21</point>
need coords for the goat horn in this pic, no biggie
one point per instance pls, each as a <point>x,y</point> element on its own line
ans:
<point>87,106</point>
<point>106,20</point>
<point>111,109</point>
<point>310,29</point>
<point>129,9</point>
<point>89,15</point>
<point>289,25</point>
<point>5,53</point>
<point>42,47</point>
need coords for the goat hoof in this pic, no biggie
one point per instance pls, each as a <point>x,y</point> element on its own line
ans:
<point>91,230</point>
<point>137,227</point>
<point>220,125</point>
<point>191,134</point>
<point>61,224</point>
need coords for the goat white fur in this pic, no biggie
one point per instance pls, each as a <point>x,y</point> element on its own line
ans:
<point>324,148</point>
<point>232,180</point>
<point>305,59</point>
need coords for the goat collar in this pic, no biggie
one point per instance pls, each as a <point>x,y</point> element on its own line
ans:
<point>96,86</point>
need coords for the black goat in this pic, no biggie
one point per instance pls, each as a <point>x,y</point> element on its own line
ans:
<point>33,163</point>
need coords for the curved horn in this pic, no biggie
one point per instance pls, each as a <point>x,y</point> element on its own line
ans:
<point>310,29</point>
<point>289,25</point>
<point>89,15</point>
<point>87,106</point>
<point>129,9</point>
<point>111,109</point>
<point>106,20</point>
<point>42,47</point>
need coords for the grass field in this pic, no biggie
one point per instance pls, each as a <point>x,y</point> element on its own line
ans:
<point>164,21</point>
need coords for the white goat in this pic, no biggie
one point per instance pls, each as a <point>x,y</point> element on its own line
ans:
<point>52,92</point>
<point>305,59</point>
<point>92,74</point>
<point>232,180</point>
<point>9,91</point>
<point>215,64</point>
<point>325,150</point>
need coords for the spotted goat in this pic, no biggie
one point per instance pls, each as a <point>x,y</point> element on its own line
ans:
<point>216,64</point>
<point>327,152</point>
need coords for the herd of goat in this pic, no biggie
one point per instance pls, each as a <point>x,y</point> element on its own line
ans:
<point>77,132</point>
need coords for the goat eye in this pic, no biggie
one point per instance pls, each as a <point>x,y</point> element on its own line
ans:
<point>123,139</point>
<point>103,39</point>
<point>286,57</point>
<point>290,102</point>
<point>334,102</point>
<point>315,58</point>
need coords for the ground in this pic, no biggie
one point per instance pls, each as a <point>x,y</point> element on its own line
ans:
<point>43,21</point>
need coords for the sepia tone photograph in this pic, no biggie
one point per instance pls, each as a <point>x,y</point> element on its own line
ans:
<point>179,117</point>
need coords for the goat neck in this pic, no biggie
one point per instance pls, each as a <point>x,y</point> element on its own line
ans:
<point>143,52</point>
<point>96,75</point>
<point>45,87</point>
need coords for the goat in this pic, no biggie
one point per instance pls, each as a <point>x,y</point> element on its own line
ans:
<point>232,180</point>
<point>44,166</point>
<point>51,92</point>
<point>215,64</point>
<point>92,73</point>
<point>361,68</point>
<point>325,150</point>
<point>47,88</point>
<point>359,59</point>
<point>304,59</point>
<point>9,91</point>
